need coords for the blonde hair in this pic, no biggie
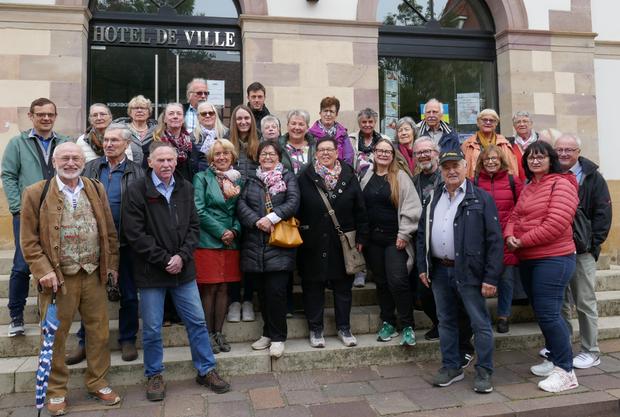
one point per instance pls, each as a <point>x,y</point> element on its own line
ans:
<point>139,100</point>
<point>252,137</point>
<point>161,125</point>
<point>226,145</point>
<point>488,112</point>
<point>220,130</point>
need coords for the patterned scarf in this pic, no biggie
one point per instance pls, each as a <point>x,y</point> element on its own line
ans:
<point>330,176</point>
<point>272,179</point>
<point>328,132</point>
<point>227,185</point>
<point>95,140</point>
<point>183,144</point>
<point>299,156</point>
<point>207,137</point>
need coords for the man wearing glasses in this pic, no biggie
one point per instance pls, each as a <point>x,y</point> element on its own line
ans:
<point>197,91</point>
<point>27,159</point>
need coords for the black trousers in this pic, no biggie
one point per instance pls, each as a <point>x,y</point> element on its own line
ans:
<point>427,299</point>
<point>272,296</point>
<point>314,302</point>
<point>389,269</point>
<point>234,290</point>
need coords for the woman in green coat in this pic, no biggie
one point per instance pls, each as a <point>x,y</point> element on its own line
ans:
<point>217,258</point>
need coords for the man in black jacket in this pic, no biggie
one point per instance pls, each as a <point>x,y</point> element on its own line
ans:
<point>595,202</point>
<point>256,101</point>
<point>116,172</point>
<point>161,225</point>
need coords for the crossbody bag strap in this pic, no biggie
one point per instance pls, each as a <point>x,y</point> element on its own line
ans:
<point>268,203</point>
<point>330,210</point>
<point>427,235</point>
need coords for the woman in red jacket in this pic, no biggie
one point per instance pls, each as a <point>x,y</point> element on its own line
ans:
<point>540,232</point>
<point>492,176</point>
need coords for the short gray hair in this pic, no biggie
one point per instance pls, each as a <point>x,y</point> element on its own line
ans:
<point>434,100</point>
<point>105,106</point>
<point>269,118</point>
<point>367,113</point>
<point>125,132</point>
<point>298,113</point>
<point>405,120</point>
<point>569,135</point>
<point>427,139</point>
<point>195,80</point>
<point>519,115</point>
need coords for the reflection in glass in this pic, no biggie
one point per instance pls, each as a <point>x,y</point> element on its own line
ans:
<point>211,8</point>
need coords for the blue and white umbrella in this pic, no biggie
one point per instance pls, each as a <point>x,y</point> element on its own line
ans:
<point>49,325</point>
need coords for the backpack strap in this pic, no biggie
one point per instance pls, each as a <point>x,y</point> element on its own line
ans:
<point>46,187</point>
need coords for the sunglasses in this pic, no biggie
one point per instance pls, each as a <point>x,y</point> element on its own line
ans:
<point>207,113</point>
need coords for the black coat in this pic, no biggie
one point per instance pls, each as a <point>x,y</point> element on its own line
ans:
<point>596,202</point>
<point>320,256</point>
<point>156,231</point>
<point>245,165</point>
<point>256,253</point>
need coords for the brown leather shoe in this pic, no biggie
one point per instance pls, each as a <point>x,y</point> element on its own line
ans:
<point>77,356</point>
<point>57,409</point>
<point>214,381</point>
<point>155,388</point>
<point>106,396</point>
<point>129,352</point>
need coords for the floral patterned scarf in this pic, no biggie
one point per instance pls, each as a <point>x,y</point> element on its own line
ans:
<point>330,176</point>
<point>95,140</point>
<point>272,179</point>
<point>183,144</point>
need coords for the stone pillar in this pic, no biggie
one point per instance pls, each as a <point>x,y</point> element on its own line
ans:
<point>44,54</point>
<point>300,61</point>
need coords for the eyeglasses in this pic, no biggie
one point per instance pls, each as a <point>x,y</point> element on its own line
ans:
<point>538,158</point>
<point>224,153</point>
<point>326,150</point>
<point>102,114</point>
<point>70,158</point>
<point>425,152</point>
<point>385,152</point>
<point>522,122</point>
<point>139,108</point>
<point>566,150</point>
<point>488,121</point>
<point>201,93</point>
<point>207,113</point>
<point>44,115</point>
<point>491,159</point>
<point>268,154</point>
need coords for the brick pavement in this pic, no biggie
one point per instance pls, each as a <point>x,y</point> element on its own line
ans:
<point>395,390</point>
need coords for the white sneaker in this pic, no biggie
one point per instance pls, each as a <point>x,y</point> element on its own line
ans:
<point>234,312</point>
<point>543,353</point>
<point>263,343</point>
<point>276,349</point>
<point>360,279</point>
<point>247,311</point>
<point>543,369</point>
<point>347,338</point>
<point>316,339</point>
<point>559,381</point>
<point>586,360</point>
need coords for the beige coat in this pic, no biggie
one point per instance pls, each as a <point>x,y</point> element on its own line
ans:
<point>40,228</point>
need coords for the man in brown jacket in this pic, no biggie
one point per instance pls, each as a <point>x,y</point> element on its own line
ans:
<point>69,241</point>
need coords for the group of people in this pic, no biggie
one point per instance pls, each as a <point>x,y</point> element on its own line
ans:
<point>179,214</point>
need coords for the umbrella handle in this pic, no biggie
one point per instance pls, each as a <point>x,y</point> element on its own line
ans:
<point>53,297</point>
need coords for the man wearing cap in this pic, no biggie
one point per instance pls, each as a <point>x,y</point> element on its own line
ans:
<point>461,241</point>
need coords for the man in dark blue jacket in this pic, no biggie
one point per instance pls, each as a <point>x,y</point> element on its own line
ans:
<point>433,126</point>
<point>460,253</point>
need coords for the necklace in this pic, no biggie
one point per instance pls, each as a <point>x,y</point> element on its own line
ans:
<point>139,130</point>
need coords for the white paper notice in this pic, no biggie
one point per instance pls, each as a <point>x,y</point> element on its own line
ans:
<point>216,92</point>
<point>468,107</point>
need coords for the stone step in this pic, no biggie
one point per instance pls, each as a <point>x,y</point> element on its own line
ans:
<point>18,374</point>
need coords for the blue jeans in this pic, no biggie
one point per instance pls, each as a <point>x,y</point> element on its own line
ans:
<point>504,291</point>
<point>447,289</point>
<point>545,281</point>
<point>19,281</point>
<point>187,302</point>
<point>128,313</point>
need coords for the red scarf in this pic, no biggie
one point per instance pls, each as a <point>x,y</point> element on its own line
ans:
<point>408,154</point>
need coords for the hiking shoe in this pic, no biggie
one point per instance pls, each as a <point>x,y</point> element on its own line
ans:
<point>543,353</point>
<point>57,406</point>
<point>155,388</point>
<point>408,338</point>
<point>222,343</point>
<point>347,338</point>
<point>77,356</point>
<point>247,311</point>
<point>360,279</point>
<point>129,352</point>
<point>559,380</point>
<point>106,396</point>
<point>446,377</point>
<point>503,326</point>
<point>16,328</point>
<point>215,348</point>
<point>263,343</point>
<point>234,312</point>
<point>586,360</point>
<point>466,360</point>
<point>432,334</point>
<point>387,332</point>
<point>316,339</point>
<point>543,369</point>
<point>213,381</point>
<point>276,349</point>
<point>482,381</point>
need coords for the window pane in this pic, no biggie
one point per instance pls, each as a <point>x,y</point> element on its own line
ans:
<point>466,87</point>
<point>211,8</point>
<point>456,14</point>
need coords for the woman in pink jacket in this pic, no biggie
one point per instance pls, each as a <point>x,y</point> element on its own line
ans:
<point>540,232</point>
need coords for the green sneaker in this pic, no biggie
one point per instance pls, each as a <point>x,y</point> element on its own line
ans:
<point>387,332</point>
<point>408,338</point>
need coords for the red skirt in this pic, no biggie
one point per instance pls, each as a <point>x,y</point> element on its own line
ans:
<point>214,266</point>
